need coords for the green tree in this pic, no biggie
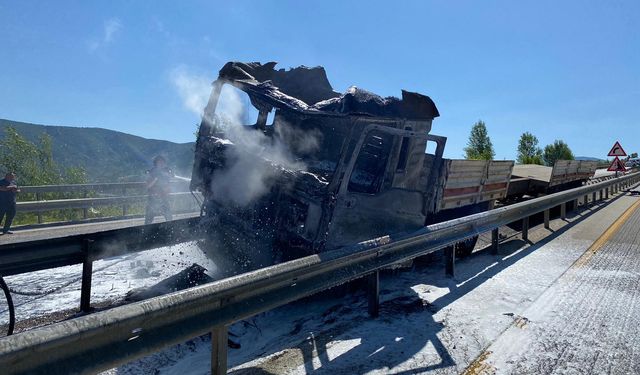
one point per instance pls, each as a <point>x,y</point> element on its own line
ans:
<point>633,155</point>
<point>479,146</point>
<point>33,162</point>
<point>528,150</point>
<point>558,150</point>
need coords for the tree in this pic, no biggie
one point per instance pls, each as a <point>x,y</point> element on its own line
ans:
<point>479,146</point>
<point>34,163</point>
<point>528,150</point>
<point>558,150</point>
<point>633,155</point>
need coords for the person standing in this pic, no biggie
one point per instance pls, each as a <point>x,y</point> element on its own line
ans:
<point>158,189</point>
<point>8,190</point>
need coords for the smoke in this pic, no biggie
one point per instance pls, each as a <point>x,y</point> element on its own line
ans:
<point>193,88</point>
<point>254,159</point>
<point>301,141</point>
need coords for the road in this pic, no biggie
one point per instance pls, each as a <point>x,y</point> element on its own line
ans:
<point>565,302</point>
<point>588,321</point>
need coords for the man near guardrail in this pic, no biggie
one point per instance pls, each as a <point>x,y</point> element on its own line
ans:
<point>158,189</point>
<point>8,190</point>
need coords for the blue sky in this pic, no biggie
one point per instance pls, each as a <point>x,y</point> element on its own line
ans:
<point>560,69</point>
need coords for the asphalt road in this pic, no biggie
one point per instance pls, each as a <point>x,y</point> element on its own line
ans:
<point>588,321</point>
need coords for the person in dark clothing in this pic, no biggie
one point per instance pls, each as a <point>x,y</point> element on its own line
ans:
<point>8,190</point>
<point>158,189</point>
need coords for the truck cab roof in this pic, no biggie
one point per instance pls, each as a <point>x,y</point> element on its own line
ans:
<point>307,90</point>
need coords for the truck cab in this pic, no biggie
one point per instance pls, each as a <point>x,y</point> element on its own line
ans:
<point>330,170</point>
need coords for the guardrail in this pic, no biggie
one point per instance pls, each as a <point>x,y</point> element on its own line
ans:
<point>109,338</point>
<point>181,198</point>
<point>22,257</point>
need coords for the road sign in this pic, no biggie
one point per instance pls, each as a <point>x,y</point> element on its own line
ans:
<point>617,166</point>
<point>617,150</point>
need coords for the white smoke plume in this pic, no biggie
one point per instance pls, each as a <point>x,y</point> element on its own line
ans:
<point>193,88</point>
<point>245,179</point>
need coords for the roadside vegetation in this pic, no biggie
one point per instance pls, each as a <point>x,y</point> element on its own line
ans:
<point>479,146</point>
<point>558,150</point>
<point>528,150</point>
<point>34,164</point>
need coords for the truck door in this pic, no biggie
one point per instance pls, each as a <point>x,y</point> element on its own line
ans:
<point>367,206</point>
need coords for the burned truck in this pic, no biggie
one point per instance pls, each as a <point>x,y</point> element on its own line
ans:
<point>319,170</point>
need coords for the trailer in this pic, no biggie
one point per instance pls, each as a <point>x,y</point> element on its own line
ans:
<point>535,180</point>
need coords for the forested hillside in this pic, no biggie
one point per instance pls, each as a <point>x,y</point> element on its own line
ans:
<point>105,155</point>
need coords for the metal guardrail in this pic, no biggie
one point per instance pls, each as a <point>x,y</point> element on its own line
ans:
<point>181,197</point>
<point>109,338</point>
<point>22,257</point>
<point>112,186</point>
<point>61,204</point>
<point>29,256</point>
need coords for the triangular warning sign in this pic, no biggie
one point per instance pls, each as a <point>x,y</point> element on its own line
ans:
<point>617,150</point>
<point>617,166</point>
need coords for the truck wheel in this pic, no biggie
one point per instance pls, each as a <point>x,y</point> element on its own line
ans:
<point>465,248</point>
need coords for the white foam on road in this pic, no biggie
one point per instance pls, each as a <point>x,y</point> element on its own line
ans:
<point>36,294</point>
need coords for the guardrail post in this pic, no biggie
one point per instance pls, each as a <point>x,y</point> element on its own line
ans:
<point>585,200</point>
<point>373,294</point>
<point>525,229</point>
<point>593,198</point>
<point>495,237</point>
<point>563,211</point>
<point>547,215</point>
<point>450,260</point>
<point>85,211</point>
<point>606,192</point>
<point>39,213</point>
<point>124,205</point>
<point>87,270</point>
<point>601,194</point>
<point>219,344</point>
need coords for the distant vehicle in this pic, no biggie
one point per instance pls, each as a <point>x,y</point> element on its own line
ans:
<point>632,163</point>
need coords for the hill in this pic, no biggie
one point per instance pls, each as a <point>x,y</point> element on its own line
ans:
<point>588,158</point>
<point>106,155</point>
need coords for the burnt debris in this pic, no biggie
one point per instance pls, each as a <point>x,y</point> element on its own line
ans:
<point>308,89</point>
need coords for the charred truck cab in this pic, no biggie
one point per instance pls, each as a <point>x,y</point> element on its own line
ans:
<point>331,169</point>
